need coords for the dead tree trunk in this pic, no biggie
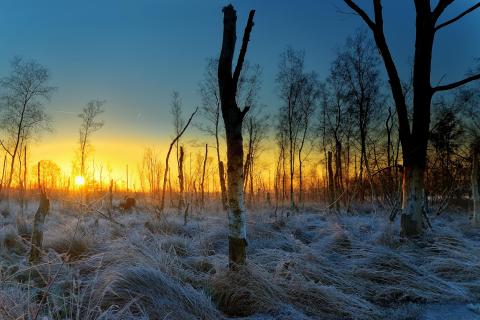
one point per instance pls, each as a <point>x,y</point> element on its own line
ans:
<point>181,201</point>
<point>38,225</point>
<point>233,119</point>
<point>110,197</point>
<point>331,182</point>
<point>162,203</point>
<point>202,185</point>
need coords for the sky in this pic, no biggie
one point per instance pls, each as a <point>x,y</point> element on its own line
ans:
<point>134,53</point>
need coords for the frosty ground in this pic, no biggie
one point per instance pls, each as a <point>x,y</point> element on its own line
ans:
<point>313,264</point>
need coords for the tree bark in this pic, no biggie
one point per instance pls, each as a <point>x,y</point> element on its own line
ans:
<point>233,119</point>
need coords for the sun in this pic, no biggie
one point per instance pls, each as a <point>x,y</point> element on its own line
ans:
<point>79,180</point>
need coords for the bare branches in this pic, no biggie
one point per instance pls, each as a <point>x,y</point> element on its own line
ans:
<point>361,13</point>
<point>179,135</point>
<point>457,84</point>
<point>243,49</point>
<point>441,6</point>
<point>458,17</point>
<point>394,78</point>
<point>5,148</point>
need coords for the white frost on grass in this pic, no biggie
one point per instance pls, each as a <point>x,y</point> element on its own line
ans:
<point>309,266</point>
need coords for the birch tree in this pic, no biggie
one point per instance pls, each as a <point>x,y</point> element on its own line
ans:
<point>233,116</point>
<point>23,116</point>
<point>89,125</point>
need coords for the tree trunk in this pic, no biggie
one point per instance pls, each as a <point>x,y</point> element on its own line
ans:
<point>223,186</point>
<point>233,118</point>
<point>181,202</point>
<point>475,186</point>
<point>162,201</point>
<point>412,201</point>
<point>38,225</point>
<point>331,183</point>
<point>202,185</point>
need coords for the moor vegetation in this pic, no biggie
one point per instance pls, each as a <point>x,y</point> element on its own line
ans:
<point>358,198</point>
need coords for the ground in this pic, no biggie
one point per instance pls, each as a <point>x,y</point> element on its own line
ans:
<point>313,264</point>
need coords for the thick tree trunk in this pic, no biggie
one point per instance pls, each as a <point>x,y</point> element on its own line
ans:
<point>233,118</point>
<point>413,192</point>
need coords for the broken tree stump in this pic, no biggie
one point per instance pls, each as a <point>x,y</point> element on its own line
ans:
<point>38,228</point>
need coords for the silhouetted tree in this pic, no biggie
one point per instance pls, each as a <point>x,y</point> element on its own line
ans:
<point>356,67</point>
<point>178,124</point>
<point>298,93</point>
<point>90,124</point>
<point>414,138</point>
<point>23,116</point>
<point>166,173</point>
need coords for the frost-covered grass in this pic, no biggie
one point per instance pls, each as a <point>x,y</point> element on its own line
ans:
<point>308,266</point>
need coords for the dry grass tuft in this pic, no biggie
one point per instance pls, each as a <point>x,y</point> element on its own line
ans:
<point>146,291</point>
<point>246,291</point>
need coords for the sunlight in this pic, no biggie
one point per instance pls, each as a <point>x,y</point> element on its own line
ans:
<point>79,181</point>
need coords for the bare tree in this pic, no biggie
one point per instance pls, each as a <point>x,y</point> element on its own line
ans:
<point>166,173</point>
<point>90,124</point>
<point>23,116</point>
<point>233,119</point>
<point>356,67</point>
<point>414,138</point>
<point>211,112</point>
<point>298,91</point>
<point>308,103</point>
<point>178,124</point>
<point>256,130</point>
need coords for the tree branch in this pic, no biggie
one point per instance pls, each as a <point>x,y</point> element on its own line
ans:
<point>5,148</point>
<point>361,13</point>
<point>441,6</point>
<point>244,111</point>
<point>456,84</point>
<point>461,15</point>
<point>184,128</point>
<point>243,49</point>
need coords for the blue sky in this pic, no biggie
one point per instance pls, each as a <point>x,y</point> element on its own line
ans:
<point>133,53</point>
